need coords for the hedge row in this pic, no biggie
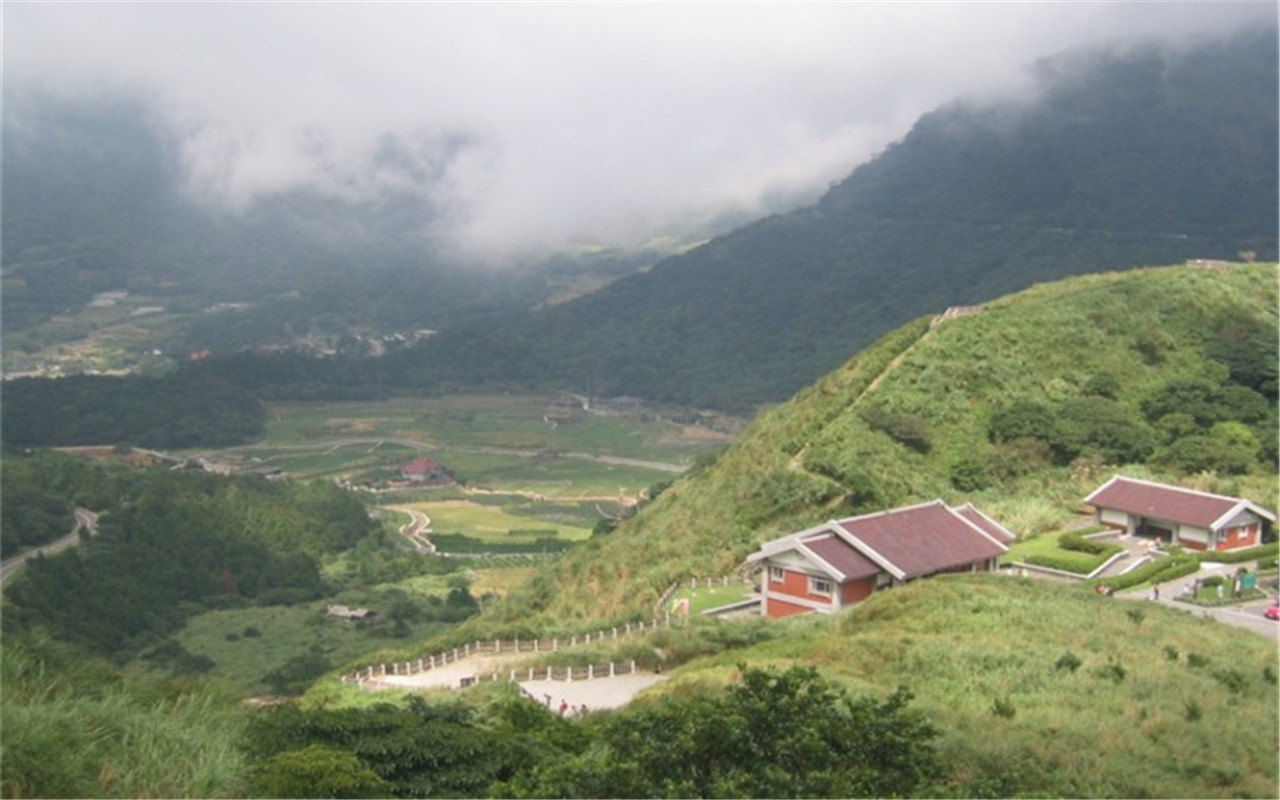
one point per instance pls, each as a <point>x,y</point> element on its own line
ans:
<point>1158,571</point>
<point>1072,540</point>
<point>1236,556</point>
<point>1078,563</point>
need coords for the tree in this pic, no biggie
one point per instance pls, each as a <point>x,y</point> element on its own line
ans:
<point>317,771</point>
<point>774,734</point>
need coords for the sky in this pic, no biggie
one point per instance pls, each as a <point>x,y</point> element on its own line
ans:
<point>538,125</point>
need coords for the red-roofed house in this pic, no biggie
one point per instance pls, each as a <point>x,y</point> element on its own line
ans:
<point>422,469</point>
<point>841,562</point>
<point>1194,520</point>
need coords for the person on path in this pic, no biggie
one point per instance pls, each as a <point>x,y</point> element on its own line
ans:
<point>1155,592</point>
<point>564,706</point>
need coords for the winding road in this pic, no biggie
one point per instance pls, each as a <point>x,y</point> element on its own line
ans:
<point>85,519</point>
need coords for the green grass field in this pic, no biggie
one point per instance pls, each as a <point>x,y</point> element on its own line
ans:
<point>285,632</point>
<point>706,598</point>
<point>1046,544</point>
<point>493,523</point>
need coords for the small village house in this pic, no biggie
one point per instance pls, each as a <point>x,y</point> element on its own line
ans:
<point>1177,516</point>
<point>422,470</point>
<point>842,562</point>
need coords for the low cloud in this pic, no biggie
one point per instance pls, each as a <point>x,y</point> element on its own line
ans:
<point>536,125</point>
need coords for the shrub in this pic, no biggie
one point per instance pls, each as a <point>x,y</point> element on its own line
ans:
<point>907,430</point>
<point>1068,661</point>
<point>1003,708</point>
<point>1230,678</point>
<point>1192,711</point>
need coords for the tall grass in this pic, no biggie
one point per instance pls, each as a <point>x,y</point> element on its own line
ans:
<point>86,733</point>
<point>990,661</point>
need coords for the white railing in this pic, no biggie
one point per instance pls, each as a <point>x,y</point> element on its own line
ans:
<point>552,645</point>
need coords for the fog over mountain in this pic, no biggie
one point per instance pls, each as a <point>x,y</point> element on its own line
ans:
<point>500,129</point>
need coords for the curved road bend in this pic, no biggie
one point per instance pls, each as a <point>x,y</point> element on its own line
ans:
<point>84,519</point>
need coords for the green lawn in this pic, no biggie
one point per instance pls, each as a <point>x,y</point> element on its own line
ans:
<point>1046,544</point>
<point>286,631</point>
<point>702,599</point>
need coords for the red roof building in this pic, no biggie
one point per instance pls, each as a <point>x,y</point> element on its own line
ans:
<point>422,469</point>
<point>842,562</point>
<point>1185,517</point>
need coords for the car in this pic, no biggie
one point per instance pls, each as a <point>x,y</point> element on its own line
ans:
<point>1272,611</point>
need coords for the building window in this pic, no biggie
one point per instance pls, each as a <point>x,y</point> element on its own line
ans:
<point>775,574</point>
<point>819,586</point>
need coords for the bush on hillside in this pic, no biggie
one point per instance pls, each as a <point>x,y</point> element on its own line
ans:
<point>905,429</point>
<point>1192,454</point>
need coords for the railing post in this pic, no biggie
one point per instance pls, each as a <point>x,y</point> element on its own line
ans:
<point>535,644</point>
<point>455,654</point>
<point>530,673</point>
<point>611,670</point>
<point>615,632</point>
<point>633,666</point>
<point>569,675</point>
<point>555,644</point>
<point>466,648</point>
<point>573,642</point>
<point>419,665</point>
<point>517,647</point>
<point>591,671</point>
<point>384,668</point>
<point>433,662</point>
<point>497,646</point>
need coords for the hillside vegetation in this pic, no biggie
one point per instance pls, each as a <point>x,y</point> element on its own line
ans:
<point>1023,407</point>
<point>1040,690</point>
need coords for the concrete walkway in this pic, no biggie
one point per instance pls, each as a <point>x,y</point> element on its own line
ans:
<point>595,694</point>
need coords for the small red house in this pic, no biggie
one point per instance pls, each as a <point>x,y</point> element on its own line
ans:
<point>1185,517</point>
<point>421,470</point>
<point>841,562</point>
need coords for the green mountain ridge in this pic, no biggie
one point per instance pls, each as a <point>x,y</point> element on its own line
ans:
<point>926,412</point>
<point>1151,156</point>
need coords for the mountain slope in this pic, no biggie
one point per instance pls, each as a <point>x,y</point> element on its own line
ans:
<point>1146,157</point>
<point>926,412</point>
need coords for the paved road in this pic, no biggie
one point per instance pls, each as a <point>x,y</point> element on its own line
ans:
<point>84,519</point>
<point>1245,615</point>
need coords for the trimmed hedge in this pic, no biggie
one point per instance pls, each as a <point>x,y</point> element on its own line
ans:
<point>1072,540</point>
<point>1236,556</point>
<point>1078,563</point>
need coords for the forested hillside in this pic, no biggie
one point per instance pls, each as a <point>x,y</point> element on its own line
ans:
<point>1023,407</point>
<point>1123,159</point>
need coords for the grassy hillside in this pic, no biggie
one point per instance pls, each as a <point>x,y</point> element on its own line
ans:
<point>911,418</point>
<point>1041,690</point>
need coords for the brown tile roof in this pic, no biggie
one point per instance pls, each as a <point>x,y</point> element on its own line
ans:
<point>841,555</point>
<point>921,539</point>
<point>992,528</point>
<point>1171,503</point>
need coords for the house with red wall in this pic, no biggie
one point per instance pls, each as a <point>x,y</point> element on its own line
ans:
<point>1177,516</point>
<point>841,562</point>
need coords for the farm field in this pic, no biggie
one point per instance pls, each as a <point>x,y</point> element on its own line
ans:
<point>490,523</point>
<point>488,442</point>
